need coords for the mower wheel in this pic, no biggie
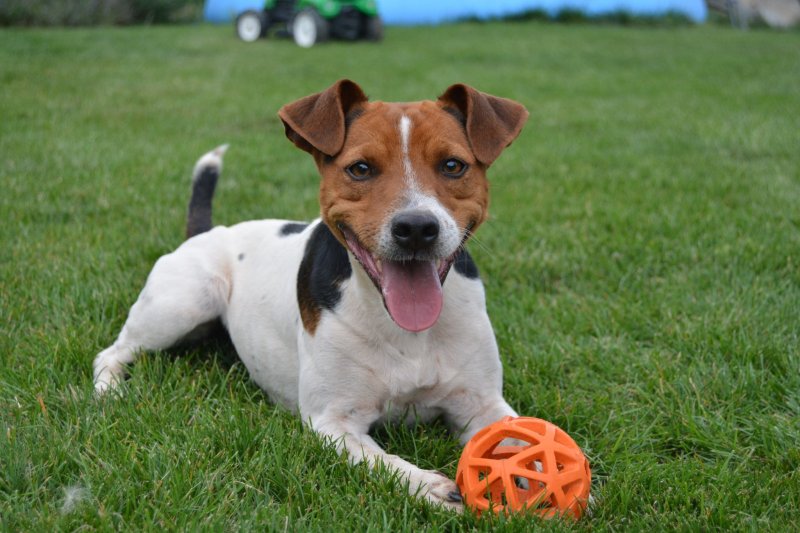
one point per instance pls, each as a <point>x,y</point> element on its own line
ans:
<point>251,25</point>
<point>373,28</point>
<point>309,28</point>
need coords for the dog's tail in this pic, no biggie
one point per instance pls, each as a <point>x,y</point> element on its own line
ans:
<point>204,181</point>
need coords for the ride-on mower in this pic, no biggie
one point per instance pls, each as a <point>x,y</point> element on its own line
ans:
<point>312,21</point>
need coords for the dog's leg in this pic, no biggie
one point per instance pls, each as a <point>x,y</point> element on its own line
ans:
<point>184,291</point>
<point>468,412</point>
<point>349,434</point>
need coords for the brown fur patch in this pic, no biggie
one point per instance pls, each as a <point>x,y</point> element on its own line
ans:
<point>310,312</point>
<point>339,127</point>
<point>375,138</point>
<point>492,123</point>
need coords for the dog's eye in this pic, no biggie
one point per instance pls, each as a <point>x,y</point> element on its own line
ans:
<point>359,171</point>
<point>454,168</point>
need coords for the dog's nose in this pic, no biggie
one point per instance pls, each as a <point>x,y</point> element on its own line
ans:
<point>415,230</point>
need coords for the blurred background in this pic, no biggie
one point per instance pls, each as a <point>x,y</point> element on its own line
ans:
<point>741,13</point>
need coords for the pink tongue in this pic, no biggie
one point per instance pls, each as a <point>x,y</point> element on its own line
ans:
<point>412,292</point>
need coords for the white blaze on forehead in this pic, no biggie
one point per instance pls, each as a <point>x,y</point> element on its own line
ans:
<point>405,134</point>
<point>405,137</point>
<point>416,199</point>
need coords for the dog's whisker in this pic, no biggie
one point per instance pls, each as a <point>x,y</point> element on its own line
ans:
<point>471,237</point>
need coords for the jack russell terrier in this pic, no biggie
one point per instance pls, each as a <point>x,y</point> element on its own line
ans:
<point>373,312</point>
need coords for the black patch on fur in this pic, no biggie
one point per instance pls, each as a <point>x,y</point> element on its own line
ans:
<point>464,265</point>
<point>199,217</point>
<point>290,228</point>
<point>458,115</point>
<point>241,257</point>
<point>352,115</point>
<point>324,267</point>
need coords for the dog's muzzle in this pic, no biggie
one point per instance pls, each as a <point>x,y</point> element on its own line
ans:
<point>409,269</point>
<point>416,232</point>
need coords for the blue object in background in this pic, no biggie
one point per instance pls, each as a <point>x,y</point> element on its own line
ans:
<point>437,11</point>
<point>227,10</point>
<point>409,12</point>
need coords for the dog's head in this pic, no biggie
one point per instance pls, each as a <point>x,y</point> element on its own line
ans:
<point>404,184</point>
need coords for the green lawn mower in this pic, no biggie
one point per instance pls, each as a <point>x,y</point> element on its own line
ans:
<point>312,21</point>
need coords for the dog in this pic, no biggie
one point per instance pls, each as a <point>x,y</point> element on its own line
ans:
<point>375,311</point>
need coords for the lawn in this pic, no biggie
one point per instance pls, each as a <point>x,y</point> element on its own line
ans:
<point>641,266</point>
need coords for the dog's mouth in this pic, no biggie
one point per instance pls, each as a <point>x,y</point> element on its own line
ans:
<point>411,289</point>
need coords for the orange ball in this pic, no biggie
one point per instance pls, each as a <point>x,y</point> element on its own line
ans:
<point>545,472</point>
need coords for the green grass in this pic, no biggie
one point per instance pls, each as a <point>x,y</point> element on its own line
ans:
<point>641,266</point>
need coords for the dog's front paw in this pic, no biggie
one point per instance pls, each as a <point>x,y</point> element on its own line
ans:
<point>440,490</point>
<point>108,371</point>
<point>107,379</point>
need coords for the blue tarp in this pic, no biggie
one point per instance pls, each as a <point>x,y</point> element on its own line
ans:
<point>409,12</point>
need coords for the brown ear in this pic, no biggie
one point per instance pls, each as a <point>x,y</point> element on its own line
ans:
<point>318,121</point>
<point>492,123</point>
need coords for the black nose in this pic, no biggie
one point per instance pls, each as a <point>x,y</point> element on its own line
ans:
<point>415,230</point>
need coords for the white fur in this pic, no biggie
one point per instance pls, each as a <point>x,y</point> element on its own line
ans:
<point>450,235</point>
<point>357,370</point>
<point>408,169</point>
<point>214,157</point>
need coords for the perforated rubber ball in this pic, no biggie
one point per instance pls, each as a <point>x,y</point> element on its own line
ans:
<point>524,464</point>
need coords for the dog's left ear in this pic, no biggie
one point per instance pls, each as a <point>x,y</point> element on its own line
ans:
<point>318,121</point>
<point>492,123</point>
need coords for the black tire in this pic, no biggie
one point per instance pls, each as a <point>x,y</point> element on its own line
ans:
<point>251,25</point>
<point>309,28</point>
<point>373,28</point>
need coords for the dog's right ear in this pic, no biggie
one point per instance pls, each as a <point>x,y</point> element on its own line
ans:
<point>317,122</point>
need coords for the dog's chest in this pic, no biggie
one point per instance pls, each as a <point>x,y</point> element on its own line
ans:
<point>411,375</point>
<point>359,353</point>
<point>410,378</point>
